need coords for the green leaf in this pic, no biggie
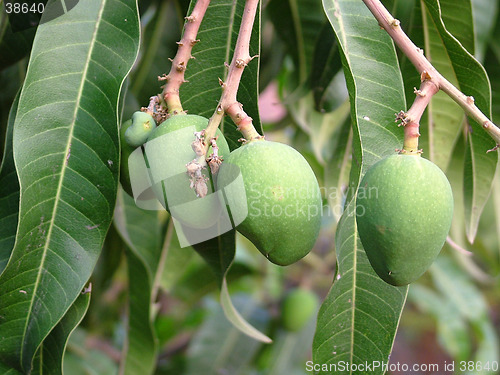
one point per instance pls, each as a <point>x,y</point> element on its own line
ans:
<point>11,80</point>
<point>325,66</point>
<point>443,123</point>
<point>176,264</point>
<point>219,255</point>
<point>82,360</point>
<point>297,22</point>
<point>358,320</point>
<point>66,151</point>
<point>7,370</point>
<point>452,330</point>
<point>496,203</point>
<point>458,18</point>
<point>141,230</point>
<point>488,349</point>
<point>159,37</point>
<point>325,129</point>
<point>337,170</point>
<point>13,45</point>
<point>236,319</point>
<point>49,359</point>
<point>9,194</point>
<point>459,289</point>
<point>290,351</point>
<point>485,14</point>
<point>218,347</point>
<point>217,34</point>
<point>479,165</point>
<point>466,298</point>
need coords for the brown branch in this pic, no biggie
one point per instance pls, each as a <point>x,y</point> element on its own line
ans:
<point>411,119</point>
<point>228,102</point>
<point>175,77</point>
<point>416,56</point>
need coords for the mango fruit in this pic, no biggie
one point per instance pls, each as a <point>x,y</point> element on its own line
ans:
<point>403,212</point>
<point>168,151</point>
<point>298,308</point>
<point>279,208</point>
<point>126,150</point>
<point>142,126</point>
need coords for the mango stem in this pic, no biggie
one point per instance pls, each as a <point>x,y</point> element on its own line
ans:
<point>228,102</point>
<point>175,77</point>
<point>411,119</point>
<point>416,56</point>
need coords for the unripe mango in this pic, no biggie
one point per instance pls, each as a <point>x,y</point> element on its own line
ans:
<point>168,150</point>
<point>404,210</point>
<point>298,307</point>
<point>142,126</point>
<point>281,202</point>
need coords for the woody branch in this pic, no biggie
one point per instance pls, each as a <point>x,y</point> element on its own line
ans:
<point>416,56</point>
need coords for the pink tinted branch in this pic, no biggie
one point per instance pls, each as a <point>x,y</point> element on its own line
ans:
<point>228,102</point>
<point>411,119</point>
<point>416,56</point>
<point>175,77</point>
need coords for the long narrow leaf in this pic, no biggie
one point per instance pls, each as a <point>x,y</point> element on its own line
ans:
<point>49,359</point>
<point>479,165</point>
<point>359,318</point>
<point>9,194</point>
<point>66,151</point>
<point>141,230</point>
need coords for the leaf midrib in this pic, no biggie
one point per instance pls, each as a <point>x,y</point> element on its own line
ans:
<point>355,248</point>
<point>61,178</point>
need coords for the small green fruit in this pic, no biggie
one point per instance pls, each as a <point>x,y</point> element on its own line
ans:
<point>126,150</point>
<point>281,214</point>
<point>298,308</point>
<point>168,150</point>
<point>404,211</point>
<point>142,126</point>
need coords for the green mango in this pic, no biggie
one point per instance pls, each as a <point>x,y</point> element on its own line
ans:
<point>404,210</point>
<point>281,214</point>
<point>142,126</point>
<point>168,150</point>
<point>126,150</point>
<point>298,308</point>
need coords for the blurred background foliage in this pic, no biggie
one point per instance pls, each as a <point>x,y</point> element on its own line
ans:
<point>452,312</point>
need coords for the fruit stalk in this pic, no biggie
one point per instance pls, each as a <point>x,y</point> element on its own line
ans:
<point>228,102</point>
<point>411,119</point>
<point>175,77</point>
<point>416,56</point>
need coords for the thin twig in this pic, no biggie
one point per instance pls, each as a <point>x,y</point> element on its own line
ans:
<point>175,77</point>
<point>416,56</point>
<point>228,102</point>
<point>457,247</point>
<point>411,119</point>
